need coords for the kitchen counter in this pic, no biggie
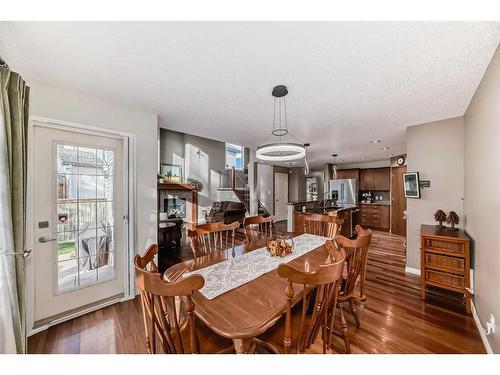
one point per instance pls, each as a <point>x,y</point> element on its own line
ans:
<point>296,216</point>
<point>379,203</point>
<point>327,210</point>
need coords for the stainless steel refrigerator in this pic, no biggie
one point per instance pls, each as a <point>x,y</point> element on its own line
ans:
<point>344,191</point>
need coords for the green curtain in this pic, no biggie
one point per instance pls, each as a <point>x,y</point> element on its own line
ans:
<point>14,110</point>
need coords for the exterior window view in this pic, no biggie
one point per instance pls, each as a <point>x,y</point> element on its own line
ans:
<point>229,185</point>
<point>84,216</point>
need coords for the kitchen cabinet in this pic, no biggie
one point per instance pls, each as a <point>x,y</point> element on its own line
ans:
<point>348,173</point>
<point>375,216</point>
<point>382,178</point>
<point>367,179</point>
<point>385,217</point>
<point>375,179</point>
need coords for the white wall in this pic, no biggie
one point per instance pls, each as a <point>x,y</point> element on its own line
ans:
<point>71,106</point>
<point>435,150</point>
<point>482,189</point>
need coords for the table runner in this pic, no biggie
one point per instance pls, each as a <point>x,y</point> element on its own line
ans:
<point>232,273</point>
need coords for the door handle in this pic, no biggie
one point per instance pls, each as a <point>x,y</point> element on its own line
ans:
<point>44,239</point>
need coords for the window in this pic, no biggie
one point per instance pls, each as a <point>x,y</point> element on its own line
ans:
<point>234,156</point>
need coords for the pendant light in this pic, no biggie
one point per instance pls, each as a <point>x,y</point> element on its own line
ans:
<point>285,146</point>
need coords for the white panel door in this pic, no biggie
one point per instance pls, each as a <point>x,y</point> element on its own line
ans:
<point>280,195</point>
<point>78,216</point>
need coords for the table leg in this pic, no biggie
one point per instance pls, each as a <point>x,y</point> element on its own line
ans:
<point>242,346</point>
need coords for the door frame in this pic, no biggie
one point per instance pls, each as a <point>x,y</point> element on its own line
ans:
<point>129,226</point>
<point>274,193</point>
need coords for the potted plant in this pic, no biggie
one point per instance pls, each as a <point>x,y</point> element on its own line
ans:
<point>160,179</point>
<point>195,183</point>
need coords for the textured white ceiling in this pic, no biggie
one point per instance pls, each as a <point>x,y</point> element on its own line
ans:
<point>349,82</point>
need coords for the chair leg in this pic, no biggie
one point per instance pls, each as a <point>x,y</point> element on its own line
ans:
<point>345,330</point>
<point>354,311</point>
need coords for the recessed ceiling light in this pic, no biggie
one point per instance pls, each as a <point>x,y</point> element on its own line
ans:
<point>376,141</point>
<point>363,157</point>
<point>385,148</point>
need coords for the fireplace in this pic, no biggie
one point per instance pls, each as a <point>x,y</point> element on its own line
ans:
<point>175,205</point>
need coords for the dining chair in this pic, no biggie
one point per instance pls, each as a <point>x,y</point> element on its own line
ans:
<point>298,328</point>
<point>258,227</point>
<point>323,225</point>
<point>361,232</point>
<point>168,311</point>
<point>356,259</point>
<point>208,238</point>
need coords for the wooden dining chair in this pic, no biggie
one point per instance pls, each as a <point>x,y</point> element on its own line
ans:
<point>258,227</point>
<point>208,238</point>
<point>361,232</point>
<point>168,311</point>
<point>298,329</point>
<point>356,258</point>
<point>322,225</point>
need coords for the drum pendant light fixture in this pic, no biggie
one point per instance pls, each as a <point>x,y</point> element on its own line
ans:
<point>285,146</point>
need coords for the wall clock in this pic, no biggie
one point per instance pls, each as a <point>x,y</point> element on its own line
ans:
<point>401,160</point>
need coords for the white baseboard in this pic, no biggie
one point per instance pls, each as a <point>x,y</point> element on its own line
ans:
<point>479,326</point>
<point>414,271</point>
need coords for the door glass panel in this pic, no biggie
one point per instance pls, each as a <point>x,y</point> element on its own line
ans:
<point>84,189</point>
<point>67,272</point>
<point>67,218</point>
<point>87,188</point>
<point>87,214</point>
<point>67,245</point>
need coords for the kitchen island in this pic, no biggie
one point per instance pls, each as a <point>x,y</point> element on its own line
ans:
<point>297,211</point>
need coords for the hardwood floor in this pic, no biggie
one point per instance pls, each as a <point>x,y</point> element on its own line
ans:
<point>393,318</point>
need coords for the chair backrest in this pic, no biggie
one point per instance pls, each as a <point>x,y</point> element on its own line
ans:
<point>258,227</point>
<point>357,254</point>
<point>161,320</point>
<point>326,278</point>
<point>322,225</point>
<point>207,238</point>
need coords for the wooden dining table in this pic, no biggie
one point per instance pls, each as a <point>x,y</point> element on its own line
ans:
<point>247,311</point>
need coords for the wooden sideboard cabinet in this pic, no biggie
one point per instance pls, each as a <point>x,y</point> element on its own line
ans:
<point>445,261</point>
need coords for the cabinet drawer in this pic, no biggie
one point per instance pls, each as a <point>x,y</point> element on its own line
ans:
<point>443,261</point>
<point>442,245</point>
<point>370,209</point>
<point>371,222</point>
<point>446,279</point>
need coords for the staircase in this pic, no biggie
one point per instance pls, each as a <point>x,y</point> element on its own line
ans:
<point>237,182</point>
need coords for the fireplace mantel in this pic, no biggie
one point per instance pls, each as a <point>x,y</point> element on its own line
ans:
<point>185,187</point>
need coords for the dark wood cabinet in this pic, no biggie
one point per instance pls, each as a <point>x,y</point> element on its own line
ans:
<point>375,216</point>
<point>385,217</point>
<point>375,179</point>
<point>348,174</point>
<point>367,179</point>
<point>382,178</point>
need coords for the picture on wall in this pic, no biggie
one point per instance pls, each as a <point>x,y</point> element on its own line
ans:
<point>171,172</point>
<point>411,186</point>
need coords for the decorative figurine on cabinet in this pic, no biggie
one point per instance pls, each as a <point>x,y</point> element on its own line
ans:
<point>440,216</point>
<point>452,219</point>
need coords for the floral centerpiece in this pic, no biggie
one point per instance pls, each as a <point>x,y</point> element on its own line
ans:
<point>278,246</point>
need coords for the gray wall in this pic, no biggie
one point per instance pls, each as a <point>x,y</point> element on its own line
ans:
<point>435,150</point>
<point>201,158</point>
<point>482,188</point>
